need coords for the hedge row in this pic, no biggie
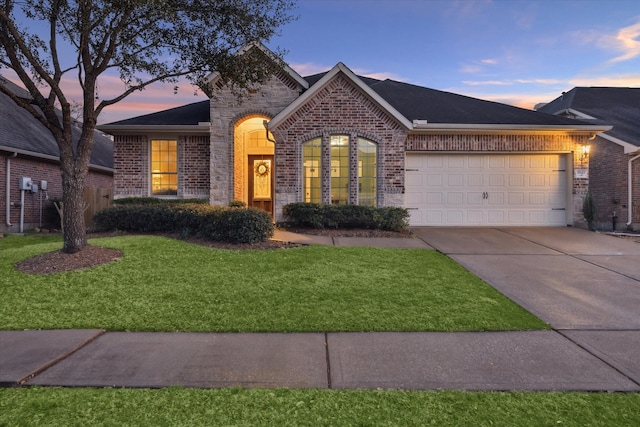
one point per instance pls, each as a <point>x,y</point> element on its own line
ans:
<point>226,224</point>
<point>316,215</point>
<point>157,201</point>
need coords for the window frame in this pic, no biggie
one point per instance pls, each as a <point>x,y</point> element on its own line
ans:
<point>327,174</point>
<point>167,192</point>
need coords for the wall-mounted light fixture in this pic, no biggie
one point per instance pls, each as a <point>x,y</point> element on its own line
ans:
<point>584,153</point>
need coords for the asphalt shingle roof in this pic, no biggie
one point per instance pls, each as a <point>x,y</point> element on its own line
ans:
<point>616,106</point>
<point>186,115</point>
<point>413,102</point>
<point>19,130</point>
<point>436,106</point>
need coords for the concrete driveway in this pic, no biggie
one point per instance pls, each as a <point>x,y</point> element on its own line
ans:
<point>571,278</point>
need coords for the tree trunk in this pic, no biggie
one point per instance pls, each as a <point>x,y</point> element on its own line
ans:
<point>75,233</point>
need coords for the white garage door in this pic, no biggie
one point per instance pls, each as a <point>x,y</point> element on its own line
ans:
<point>486,189</point>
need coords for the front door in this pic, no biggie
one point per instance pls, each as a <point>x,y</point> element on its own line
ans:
<point>261,182</point>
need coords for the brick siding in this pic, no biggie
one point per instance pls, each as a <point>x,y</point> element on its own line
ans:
<point>38,170</point>
<point>340,108</point>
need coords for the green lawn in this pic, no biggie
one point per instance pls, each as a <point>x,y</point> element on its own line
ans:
<point>282,407</point>
<point>162,284</point>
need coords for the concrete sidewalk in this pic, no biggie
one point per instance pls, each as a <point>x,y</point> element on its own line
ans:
<point>571,357</point>
<point>535,360</point>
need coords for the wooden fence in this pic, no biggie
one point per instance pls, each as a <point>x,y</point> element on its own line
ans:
<point>96,199</point>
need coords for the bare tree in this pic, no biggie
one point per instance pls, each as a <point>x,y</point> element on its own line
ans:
<point>143,41</point>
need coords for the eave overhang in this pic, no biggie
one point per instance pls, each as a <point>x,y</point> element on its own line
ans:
<point>422,127</point>
<point>50,158</point>
<point>202,127</point>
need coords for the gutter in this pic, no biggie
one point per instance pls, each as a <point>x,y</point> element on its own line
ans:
<point>630,191</point>
<point>424,126</point>
<point>8,190</point>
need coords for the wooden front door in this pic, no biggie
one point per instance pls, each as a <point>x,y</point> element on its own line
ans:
<point>261,182</point>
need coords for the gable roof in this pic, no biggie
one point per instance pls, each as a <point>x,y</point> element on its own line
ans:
<point>340,68</point>
<point>417,108</point>
<point>22,133</point>
<point>424,109</point>
<point>616,106</point>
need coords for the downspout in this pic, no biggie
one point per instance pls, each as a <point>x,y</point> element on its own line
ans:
<point>630,190</point>
<point>8,191</point>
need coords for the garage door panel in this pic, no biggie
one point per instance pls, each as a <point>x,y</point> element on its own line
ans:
<point>486,189</point>
<point>456,180</point>
<point>495,217</point>
<point>475,198</point>
<point>516,199</point>
<point>537,180</point>
<point>516,180</point>
<point>455,198</point>
<point>517,162</point>
<point>434,180</point>
<point>496,198</point>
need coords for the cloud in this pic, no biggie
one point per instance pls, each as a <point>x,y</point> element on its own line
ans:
<point>628,41</point>
<point>619,80</point>
<point>488,82</point>
<point>478,66</point>
<point>625,41</point>
<point>309,68</point>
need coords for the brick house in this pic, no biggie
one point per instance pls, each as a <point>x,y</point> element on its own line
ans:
<point>28,150</point>
<point>337,137</point>
<point>613,162</point>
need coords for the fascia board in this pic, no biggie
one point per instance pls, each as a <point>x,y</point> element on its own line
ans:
<point>49,157</point>
<point>573,112</point>
<point>628,147</point>
<point>320,84</point>
<point>118,129</point>
<point>421,127</point>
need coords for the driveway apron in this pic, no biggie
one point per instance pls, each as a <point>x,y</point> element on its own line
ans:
<point>570,278</point>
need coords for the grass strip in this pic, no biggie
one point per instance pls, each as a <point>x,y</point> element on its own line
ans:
<point>285,407</point>
<point>162,284</point>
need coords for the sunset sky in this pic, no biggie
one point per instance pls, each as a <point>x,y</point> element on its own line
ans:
<point>510,51</point>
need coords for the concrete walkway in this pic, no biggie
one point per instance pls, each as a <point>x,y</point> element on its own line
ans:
<point>584,284</point>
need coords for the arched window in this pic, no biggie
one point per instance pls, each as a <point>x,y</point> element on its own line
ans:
<point>367,172</point>
<point>346,165</point>
<point>339,169</point>
<point>312,167</point>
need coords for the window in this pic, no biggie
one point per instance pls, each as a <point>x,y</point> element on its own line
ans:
<point>164,167</point>
<point>312,178</point>
<point>346,164</point>
<point>367,176</point>
<point>339,169</point>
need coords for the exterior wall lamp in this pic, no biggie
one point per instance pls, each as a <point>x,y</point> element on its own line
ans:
<point>584,153</point>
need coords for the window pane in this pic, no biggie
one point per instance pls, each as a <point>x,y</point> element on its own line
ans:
<point>164,167</point>
<point>367,172</point>
<point>340,169</point>
<point>312,176</point>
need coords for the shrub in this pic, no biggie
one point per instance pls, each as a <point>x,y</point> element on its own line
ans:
<point>234,225</point>
<point>157,201</point>
<point>210,222</point>
<point>237,204</point>
<point>316,215</point>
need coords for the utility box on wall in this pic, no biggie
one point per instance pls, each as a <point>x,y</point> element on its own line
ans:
<point>25,183</point>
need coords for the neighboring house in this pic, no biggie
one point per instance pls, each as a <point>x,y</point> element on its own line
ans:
<point>613,163</point>
<point>337,137</point>
<point>28,150</point>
